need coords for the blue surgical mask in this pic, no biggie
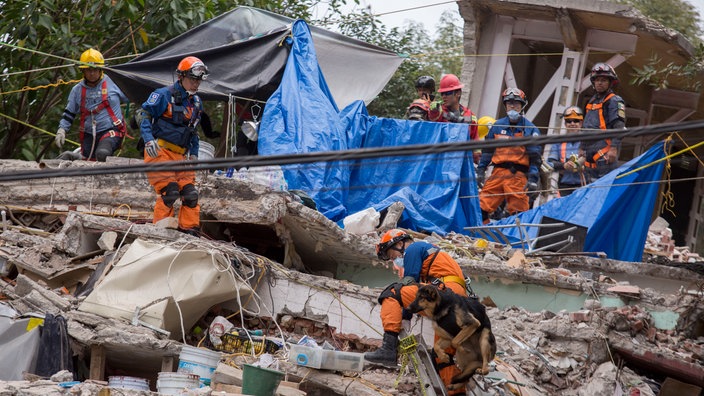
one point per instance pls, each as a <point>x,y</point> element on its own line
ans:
<point>513,115</point>
<point>398,261</point>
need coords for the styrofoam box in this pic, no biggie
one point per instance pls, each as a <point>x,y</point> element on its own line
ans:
<point>325,359</point>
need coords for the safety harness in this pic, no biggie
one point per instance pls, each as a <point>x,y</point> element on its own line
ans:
<point>178,118</point>
<point>120,129</point>
<point>599,107</point>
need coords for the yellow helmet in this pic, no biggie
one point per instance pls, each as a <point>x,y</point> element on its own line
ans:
<point>91,58</point>
<point>483,125</point>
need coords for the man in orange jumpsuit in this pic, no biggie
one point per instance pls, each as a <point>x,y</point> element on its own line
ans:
<point>414,262</point>
<point>168,121</point>
<point>516,168</point>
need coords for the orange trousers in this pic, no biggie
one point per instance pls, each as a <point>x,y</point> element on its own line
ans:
<point>392,315</point>
<point>187,217</point>
<point>502,184</point>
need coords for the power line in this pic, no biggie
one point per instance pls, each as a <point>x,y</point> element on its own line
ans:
<point>354,154</point>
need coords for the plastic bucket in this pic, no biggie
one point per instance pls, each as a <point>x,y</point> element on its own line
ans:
<point>176,383</point>
<point>206,151</point>
<point>128,383</point>
<point>259,381</point>
<point>201,362</point>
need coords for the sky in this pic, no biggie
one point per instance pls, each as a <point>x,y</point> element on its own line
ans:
<point>428,11</point>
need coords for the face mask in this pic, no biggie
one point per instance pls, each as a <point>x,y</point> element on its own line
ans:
<point>398,261</point>
<point>513,115</point>
<point>191,93</point>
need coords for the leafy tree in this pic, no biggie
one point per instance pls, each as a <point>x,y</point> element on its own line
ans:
<point>39,40</point>
<point>683,17</point>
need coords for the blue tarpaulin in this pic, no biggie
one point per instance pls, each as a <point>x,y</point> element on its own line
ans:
<point>438,191</point>
<point>616,212</point>
<point>301,117</point>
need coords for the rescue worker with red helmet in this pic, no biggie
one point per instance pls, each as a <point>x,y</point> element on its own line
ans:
<point>95,100</point>
<point>605,110</point>
<point>419,108</point>
<point>565,157</point>
<point>168,120</point>
<point>516,168</point>
<point>450,109</point>
<point>414,262</point>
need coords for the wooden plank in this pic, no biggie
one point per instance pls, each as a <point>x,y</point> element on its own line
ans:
<point>97,362</point>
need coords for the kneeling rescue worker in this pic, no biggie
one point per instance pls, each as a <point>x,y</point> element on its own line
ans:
<point>168,121</point>
<point>414,262</point>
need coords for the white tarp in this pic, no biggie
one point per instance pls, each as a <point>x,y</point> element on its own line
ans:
<point>18,348</point>
<point>154,277</point>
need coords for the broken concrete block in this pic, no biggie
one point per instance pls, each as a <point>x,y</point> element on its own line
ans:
<point>38,294</point>
<point>580,316</point>
<point>227,375</point>
<point>169,222</point>
<point>107,240</point>
<point>390,220</point>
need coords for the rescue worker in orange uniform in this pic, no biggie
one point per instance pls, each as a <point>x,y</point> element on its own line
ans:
<point>414,262</point>
<point>419,108</point>
<point>605,110</point>
<point>96,99</point>
<point>450,110</point>
<point>168,121</point>
<point>516,168</point>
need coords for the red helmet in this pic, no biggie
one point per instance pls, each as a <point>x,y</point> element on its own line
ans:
<point>605,70</point>
<point>514,94</point>
<point>418,110</point>
<point>450,82</point>
<point>192,67</point>
<point>389,239</point>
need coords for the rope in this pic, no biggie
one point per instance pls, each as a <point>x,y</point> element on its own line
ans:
<point>668,197</point>
<point>666,158</point>
<point>36,128</point>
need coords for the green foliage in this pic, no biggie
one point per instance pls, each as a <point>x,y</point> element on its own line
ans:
<point>679,15</point>
<point>425,55</point>
<point>659,75</point>
<point>51,34</point>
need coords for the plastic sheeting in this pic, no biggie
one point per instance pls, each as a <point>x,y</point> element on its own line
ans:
<point>172,288</point>
<point>301,117</point>
<point>18,348</point>
<point>616,212</point>
<point>243,52</point>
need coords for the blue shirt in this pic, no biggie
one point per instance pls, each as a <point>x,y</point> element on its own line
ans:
<point>161,105</point>
<point>414,256</point>
<point>94,96</point>
<point>557,162</point>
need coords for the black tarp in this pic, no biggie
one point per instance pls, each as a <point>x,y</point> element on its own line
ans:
<point>246,52</point>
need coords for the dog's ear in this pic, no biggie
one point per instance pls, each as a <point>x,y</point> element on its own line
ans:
<point>432,293</point>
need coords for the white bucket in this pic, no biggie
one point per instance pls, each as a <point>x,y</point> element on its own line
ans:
<point>199,361</point>
<point>128,383</point>
<point>176,383</point>
<point>206,151</point>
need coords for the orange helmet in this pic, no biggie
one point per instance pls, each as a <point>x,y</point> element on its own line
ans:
<point>450,82</point>
<point>192,67</point>
<point>573,113</point>
<point>388,240</point>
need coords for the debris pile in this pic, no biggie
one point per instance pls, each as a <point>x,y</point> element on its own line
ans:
<point>661,244</point>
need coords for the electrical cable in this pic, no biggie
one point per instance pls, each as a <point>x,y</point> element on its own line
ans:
<point>353,154</point>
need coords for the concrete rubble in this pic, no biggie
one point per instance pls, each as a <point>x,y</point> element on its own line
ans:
<point>565,324</point>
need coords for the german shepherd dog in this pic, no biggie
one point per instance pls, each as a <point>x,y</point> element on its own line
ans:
<point>460,322</point>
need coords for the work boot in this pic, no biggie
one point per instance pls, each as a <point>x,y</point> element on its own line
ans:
<point>195,231</point>
<point>386,355</point>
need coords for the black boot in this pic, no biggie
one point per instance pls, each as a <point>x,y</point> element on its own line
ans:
<point>386,355</point>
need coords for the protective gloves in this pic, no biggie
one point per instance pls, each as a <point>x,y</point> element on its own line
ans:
<point>481,176</point>
<point>60,137</point>
<point>151,148</point>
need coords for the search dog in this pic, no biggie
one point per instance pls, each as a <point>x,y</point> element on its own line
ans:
<point>459,322</point>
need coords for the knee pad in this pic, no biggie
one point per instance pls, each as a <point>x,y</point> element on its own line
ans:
<point>189,195</point>
<point>169,194</point>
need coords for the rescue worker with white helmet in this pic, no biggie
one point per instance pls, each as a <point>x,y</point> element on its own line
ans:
<point>95,100</point>
<point>168,120</point>
<point>516,168</point>
<point>414,262</point>
<point>605,110</point>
